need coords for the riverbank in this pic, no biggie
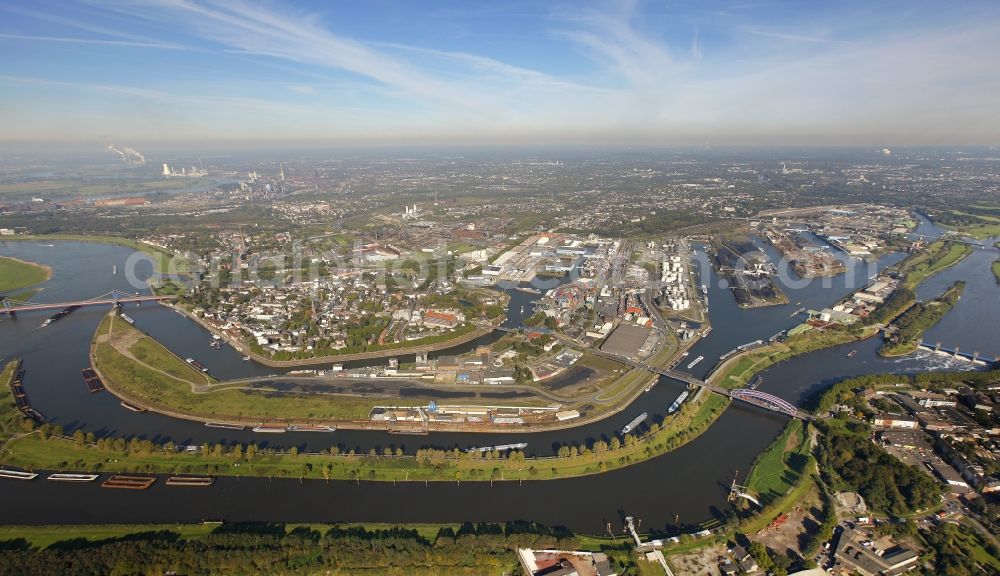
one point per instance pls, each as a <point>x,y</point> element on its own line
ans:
<point>908,330</point>
<point>41,451</point>
<point>996,270</point>
<point>937,256</point>
<point>164,262</point>
<point>16,274</point>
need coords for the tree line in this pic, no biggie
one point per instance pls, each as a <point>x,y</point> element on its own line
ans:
<point>235,549</point>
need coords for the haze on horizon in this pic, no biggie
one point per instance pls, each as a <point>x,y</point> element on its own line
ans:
<point>893,73</point>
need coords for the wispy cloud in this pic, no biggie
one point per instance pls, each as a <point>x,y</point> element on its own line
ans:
<point>793,36</point>
<point>637,69</point>
<point>63,40</point>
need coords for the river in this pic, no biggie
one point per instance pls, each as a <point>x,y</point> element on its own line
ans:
<point>689,484</point>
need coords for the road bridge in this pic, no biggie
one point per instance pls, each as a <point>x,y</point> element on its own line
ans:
<point>754,397</point>
<point>113,297</point>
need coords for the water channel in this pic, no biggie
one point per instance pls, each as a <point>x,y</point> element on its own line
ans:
<point>688,485</point>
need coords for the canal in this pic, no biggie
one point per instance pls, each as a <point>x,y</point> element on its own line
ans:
<point>688,485</point>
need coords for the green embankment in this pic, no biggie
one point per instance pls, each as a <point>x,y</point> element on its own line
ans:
<point>47,452</point>
<point>996,270</point>
<point>155,378</point>
<point>936,257</point>
<point>779,467</point>
<point>16,274</point>
<point>979,226</point>
<point>909,328</point>
<point>173,380</point>
<point>11,420</point>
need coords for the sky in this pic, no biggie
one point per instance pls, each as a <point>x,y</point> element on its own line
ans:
<point>617,72</point>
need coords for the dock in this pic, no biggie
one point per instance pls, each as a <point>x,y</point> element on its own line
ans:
<point>92,380</point>
<point>128,482</point>
<point>196,481</point>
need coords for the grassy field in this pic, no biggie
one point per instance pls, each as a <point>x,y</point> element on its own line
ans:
<point>996,270</point>
<point>988,226</point>
<point>17,274</point>
<point>780,466</point>
<point>45,536</point>
<point>163,262</point>
<point>170,385</point>
<point>938,256</point>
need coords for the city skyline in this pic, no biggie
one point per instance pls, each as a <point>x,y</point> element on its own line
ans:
<point>621,73</point>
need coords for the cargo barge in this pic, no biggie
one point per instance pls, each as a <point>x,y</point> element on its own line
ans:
<point>634,423</point>
<point>72,477</point>
<point>196,481</point>
<point>499,448</point>
<point>197,364</point>
<point>123,482</point>
<point>677,403</point>
<point>17,474</point>
<point>132,407</point>
<point>225,426</point>
<point>92,380</point>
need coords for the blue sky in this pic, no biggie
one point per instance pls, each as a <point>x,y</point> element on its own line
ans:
<point>606,72</point>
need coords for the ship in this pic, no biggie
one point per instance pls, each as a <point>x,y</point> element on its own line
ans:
<point>677,403</point>
<point>312,428</point>
<point>270,429</point>
<point>245,358</point>
<point>196,364</point>
<point>634,423</point>
<point>852,353</point>
<point>695,362</point>
<point>17,474</point>
<point>704,289</point>
<point>132,407</point>
<point>196,481</point>
<point>498,448</point>
<point>127,319</point>
<point>225,425</point>
<point>529,290</point>
<point>72,477</point>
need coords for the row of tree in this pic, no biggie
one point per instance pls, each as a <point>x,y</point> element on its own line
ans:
<point>272,549</point>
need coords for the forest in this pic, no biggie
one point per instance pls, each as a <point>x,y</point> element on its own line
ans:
<point>851,462</point>
<point>235,549</point>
